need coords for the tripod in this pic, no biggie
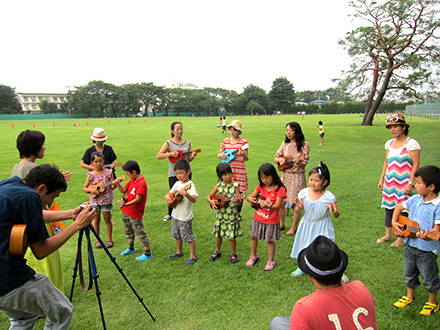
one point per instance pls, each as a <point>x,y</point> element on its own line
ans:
<point>92,270</point>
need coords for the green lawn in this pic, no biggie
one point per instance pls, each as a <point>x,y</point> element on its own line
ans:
<point>220,295</point>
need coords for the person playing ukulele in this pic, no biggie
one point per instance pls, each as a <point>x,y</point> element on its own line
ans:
<point>103,201</point>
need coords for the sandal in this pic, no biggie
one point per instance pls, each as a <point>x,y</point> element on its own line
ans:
<point>234,258</point>
<point>397,244</point>
<point>109,244</point>
<point>215,255</point>
<point>382,240</point>
<point>98,245</point>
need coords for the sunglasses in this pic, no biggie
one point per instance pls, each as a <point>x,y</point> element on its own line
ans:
<point>394,119</point>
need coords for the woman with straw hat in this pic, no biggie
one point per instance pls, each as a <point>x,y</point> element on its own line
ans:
<point>397,178</point>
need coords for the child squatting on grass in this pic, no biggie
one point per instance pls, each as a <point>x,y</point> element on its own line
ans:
<point>182,215</point>
<point>226,222</point>
<point>132,206</point>
<point>420,254</point>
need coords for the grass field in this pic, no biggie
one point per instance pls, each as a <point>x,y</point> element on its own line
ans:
<point>220,295</point>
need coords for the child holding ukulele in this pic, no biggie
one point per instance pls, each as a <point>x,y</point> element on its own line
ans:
<point>101,201</point>
<point>316,202</point>
<point>267,198</point>
<point>133,207</point>
<point>420,255</point>
<point>226,223</point>
<point>182,215</point>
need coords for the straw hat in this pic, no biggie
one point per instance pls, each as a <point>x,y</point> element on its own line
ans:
<point>323,259</point>
<point>99,134</point>
<point>395,119</point>
<point>236,124</point>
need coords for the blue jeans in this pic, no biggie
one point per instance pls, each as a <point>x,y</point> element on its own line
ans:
<point>421,262</point>
<point>280,323</point>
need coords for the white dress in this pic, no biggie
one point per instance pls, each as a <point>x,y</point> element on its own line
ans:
<point>316,221</point>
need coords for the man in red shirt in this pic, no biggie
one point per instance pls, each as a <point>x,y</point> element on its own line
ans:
<point>334,304</point>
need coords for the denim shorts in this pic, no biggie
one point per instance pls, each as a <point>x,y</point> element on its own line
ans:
<point>104,208</point>
<point>421,262</point>
<point>182,229</point>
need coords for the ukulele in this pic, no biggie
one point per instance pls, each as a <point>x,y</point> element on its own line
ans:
<point>176,197</point>
<point>288,163</point>
<point>123,199</point>
<point>18,241</point>
<point>223,200</point>
<point>231,154</point>
<point>411,228</point>
<point>101,187</point>
<point>257,205</point>
<point>114,164</point>
<point>182,155</point>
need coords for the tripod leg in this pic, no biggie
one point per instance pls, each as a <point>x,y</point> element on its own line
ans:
<point>75,267</point>
<point>95,275</point>
<point>113,259</point>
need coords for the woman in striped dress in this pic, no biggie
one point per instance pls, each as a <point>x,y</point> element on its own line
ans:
<point>235,142</point>
<point>397,178</point>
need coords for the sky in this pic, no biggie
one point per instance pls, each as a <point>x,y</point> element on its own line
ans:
<point>52,46</point>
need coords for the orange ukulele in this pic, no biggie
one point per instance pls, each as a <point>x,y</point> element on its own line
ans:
<point>223,200</point>
<point>18,241</point>
<point>411,228</point>
<point>176,197</point>
<point>100,187</point>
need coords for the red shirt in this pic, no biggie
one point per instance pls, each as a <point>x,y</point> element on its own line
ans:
<point>134,188</point>
<point>269,216</point>
<point>348,307</point>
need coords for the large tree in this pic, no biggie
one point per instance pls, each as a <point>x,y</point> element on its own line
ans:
<point>398,50</point>
<point>8,100</point>
<point>282,95</point>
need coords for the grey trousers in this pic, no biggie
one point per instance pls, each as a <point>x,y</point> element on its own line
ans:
<point>36,297</point>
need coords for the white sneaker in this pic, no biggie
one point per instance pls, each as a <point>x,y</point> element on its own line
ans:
<point>166,218</point>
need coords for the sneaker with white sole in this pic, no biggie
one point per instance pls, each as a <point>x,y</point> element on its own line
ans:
<point>297,272</point>
<point>166,218</point>
<point>403,302</point>
<point>429,309</point>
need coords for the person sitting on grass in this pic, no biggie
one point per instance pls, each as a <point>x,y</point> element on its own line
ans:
<point>182,215</point>
<point>420,254</point>
<point>133,207</point>
<point>335,304</point>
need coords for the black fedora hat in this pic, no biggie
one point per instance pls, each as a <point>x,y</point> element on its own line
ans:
<point>323,259</point>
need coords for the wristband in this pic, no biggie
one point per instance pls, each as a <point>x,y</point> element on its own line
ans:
<point>411,183</point>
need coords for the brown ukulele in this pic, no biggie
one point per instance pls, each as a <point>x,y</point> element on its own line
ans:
<point>288,163</point>
<point>114,164</point>
<point>101,187</point>
<point>257,205</point>
<point>411,228</point>
<point>223,200</point>
<point>18,241</point>
<point>176,197</point>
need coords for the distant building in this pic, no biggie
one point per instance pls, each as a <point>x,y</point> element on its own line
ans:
<point>177,84</point>
<point>31,101</point>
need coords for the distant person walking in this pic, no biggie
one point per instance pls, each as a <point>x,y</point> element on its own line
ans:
<point>397,178</point>
<point>320,128</point>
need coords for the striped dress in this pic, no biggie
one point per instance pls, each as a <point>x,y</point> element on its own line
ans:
<point>398,173</point>
<point>237,165</point>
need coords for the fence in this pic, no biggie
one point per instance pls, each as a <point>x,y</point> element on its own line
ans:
<point>429,110</point>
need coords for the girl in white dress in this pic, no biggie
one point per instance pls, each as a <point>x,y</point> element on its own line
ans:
<point>317,203</point>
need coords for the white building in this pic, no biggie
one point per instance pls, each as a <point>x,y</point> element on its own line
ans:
<point>178,84</point>
<point>31,101</point>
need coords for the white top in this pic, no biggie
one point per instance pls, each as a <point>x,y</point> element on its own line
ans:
<point>183,210</point>
<point>411,145</point>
